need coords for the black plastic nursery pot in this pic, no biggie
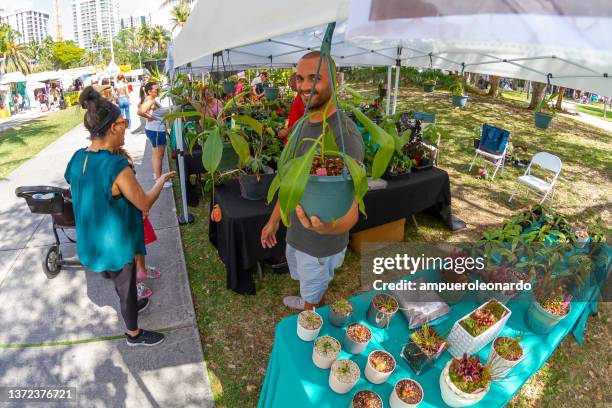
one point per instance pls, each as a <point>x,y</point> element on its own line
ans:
<point>389,176</point>
<point>328,197</point>
<point>417,359</point>
<point>254,189</point>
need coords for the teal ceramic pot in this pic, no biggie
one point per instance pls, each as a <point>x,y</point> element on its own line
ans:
<point>459,101</point>
<point>542,120</point>
<point>540,321</point>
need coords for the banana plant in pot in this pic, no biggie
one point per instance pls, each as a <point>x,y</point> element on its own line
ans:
<point>324,179</point>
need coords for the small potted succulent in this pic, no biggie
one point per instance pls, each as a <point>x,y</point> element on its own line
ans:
<point>547,309</point>
<point>340,312</point>
<point>581,238</point>
<point>382,309</point>
<point>423,349</point>
<point>505,353</point>
<point>309,324</point>
<point>325,351</point>
<point>407,393</point>
<point>356,338</point>
<point>477,329</point>
<point>366,399</point>
<point>343,376</point>
<point>464,381</point>
<point>379,367</point>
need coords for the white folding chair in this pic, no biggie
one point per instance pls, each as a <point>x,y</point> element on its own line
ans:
<point>548,162</point>
<point>497,159</point>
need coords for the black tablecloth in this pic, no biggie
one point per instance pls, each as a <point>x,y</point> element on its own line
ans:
<point>237,236</point>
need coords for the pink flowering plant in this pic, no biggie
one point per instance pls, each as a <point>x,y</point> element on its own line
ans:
<point>469,374</point>
<point>483,174</point>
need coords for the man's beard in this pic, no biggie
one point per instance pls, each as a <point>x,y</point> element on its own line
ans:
<point>318,101</point>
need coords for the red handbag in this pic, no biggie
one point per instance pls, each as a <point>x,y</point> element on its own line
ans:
<point>149,232</point>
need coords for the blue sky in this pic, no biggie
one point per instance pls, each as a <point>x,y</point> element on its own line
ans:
<point>125,7</point>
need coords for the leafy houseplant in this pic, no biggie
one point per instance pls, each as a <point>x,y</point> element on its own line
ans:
<point>382,309</point>
<point>343,376</point>
<point>458,93</point>
<point>366,399</point>
<point>430,81</point>
<point>424,347</point>
<point>505,353</point>
<point>464,381</point>
<point>325,351</point>
<point>545,111</point>
<point>340,312</point>
<point>407,393</point>
<point>320,193</point>
<point>309,324</point>
<point>379,367</point>
<point>356,338</point>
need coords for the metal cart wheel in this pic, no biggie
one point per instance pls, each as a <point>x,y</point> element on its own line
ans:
<point>53,262</point>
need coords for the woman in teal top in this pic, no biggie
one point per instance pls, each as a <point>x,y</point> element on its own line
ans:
<point>108,203</point>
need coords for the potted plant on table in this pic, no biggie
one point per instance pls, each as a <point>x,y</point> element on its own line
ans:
<point>366,399</point>
<point>477,329</point>
<point>458,93</point>
<point>340,312</point>
<point>343,376</point>
<point>379,367</point>
<point>550,306</point>
<point>382,309</point>
<point>423,349</point>
<point>581,238</point>
<point>356,338</point>
<point>464,381</point>
<point>545,112</point>
<point>407,393</point>
<point>505,353</point>
<point>399,167</point>
<point>309,324</point>
<point>325,351</point>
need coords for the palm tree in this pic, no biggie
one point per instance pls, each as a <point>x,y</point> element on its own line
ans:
<point>98,43</point>
<point>165,3</point>
<point>90,58</point>
<point>145,37</point>
<point>14,54</point>
<point>179,16</point>
<point>160,36</point>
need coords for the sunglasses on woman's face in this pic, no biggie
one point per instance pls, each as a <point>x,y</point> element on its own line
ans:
<point>122,121</point>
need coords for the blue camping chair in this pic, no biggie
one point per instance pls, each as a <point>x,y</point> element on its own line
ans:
<point>492,147</point>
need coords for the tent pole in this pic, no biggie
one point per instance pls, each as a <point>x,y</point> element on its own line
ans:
<point>184,218</point>
<point>388,90</point>
<point>397,72</point>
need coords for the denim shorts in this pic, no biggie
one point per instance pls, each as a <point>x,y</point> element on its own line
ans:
<point>313,273</point>
<point>157,138</point>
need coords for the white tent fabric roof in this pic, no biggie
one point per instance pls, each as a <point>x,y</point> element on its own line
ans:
<point>12,77</point>
<point>572,49</point>
<point>45,76</point>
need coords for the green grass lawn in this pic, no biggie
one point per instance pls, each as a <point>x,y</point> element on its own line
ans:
<point>20,143</point>
<point>599,112</point>
<point>238,331</point>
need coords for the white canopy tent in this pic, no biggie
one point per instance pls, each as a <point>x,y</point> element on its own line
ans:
<point>12,77</point>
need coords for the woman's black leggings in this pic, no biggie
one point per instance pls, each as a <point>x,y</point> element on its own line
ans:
<point>125,285</point>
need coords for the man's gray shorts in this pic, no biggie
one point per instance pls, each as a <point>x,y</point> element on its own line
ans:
<point>313,273</point>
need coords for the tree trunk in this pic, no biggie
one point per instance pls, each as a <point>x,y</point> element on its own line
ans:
<point>561,91</point>
<point>494,90</point>
<point>537,94</point>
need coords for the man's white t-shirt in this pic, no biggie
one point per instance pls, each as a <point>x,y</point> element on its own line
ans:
<point>256,81</point>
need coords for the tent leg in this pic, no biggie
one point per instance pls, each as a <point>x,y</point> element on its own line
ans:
<point>185,217</point>
<point>397,73</point>
<point>388,90</point>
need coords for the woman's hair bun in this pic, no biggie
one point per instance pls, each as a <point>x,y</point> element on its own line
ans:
<point>88,96</point>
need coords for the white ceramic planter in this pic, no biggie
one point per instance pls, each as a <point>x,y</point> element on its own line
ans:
<point>376,377</point>
<point>306,334</point>
<point>396,402</point>
<point>324,362</point>
<point>499,365</point>
<point>338,386</point>
<point>460,341</point>
<point>453,396</point>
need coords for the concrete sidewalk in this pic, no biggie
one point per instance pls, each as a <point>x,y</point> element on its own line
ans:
<point>80,309</point>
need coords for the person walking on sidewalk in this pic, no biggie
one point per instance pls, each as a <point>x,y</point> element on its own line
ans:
<point>108,203</point>
<point>315,249</point>
<point>155,129</point>
<point>123,97</point>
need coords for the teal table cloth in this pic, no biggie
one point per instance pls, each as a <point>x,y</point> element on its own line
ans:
<point>292,379</point>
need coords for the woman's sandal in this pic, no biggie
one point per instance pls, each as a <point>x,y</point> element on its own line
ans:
<point>143,291</point>
<point>150,272</point>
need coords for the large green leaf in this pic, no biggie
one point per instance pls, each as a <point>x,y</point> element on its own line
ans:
<point>329,141</point>
<point>379,137</point>
<point>356,95</point>
<point>250,122</point>
<point>187,114</point>
<point>274,186</point>
<point>294,177</point>
<point>241,146</point>
<point>360,180</point>
<point>212,151</point>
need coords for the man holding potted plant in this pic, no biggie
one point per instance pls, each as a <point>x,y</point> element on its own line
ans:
<point>315,248</point>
